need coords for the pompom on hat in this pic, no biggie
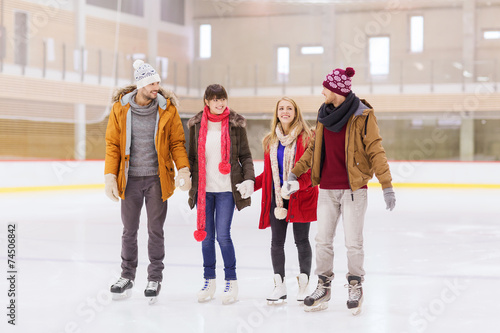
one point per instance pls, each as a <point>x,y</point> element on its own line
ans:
<point>339,81</point>
<point>144,74</point>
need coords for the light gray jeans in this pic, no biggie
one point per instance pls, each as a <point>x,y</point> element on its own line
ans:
<point>331,205</point>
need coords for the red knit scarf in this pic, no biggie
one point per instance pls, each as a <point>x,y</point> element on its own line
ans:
<point>224,165</point>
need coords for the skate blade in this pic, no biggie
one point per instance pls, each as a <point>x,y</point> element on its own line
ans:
<point>276,301</point>
<point>126,294</point>
<point>314,308</point>
<point>355,311</point>
<point>280,301</point>
<point>228,301</point>
<point>152,300</point>
<point>205,299</point>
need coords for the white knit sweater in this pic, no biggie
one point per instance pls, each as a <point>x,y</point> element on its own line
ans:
<point>216,181</point>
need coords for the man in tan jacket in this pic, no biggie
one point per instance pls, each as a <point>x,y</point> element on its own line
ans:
<point>144,138</point>
<point>343,157</point>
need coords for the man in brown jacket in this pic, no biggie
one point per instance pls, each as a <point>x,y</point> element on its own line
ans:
<point>144,138</point>
<point>343,157</point>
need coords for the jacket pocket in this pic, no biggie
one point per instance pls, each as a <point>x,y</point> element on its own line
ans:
<point>170,170</point>
<point>362,164</point>
<point>305,203</point>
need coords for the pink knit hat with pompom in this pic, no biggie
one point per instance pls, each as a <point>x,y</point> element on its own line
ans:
<point>339,81</point>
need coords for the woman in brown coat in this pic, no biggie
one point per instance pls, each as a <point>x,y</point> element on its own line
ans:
<point>222,178</point>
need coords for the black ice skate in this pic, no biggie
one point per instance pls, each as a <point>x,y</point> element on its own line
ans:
<point>319,298</point>
<point>152,291</point>
<point>355,295</point>
<point>122,289</point>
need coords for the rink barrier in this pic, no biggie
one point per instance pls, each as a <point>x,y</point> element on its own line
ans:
<point>50,188</point>
<point>57,175</point>
<point>370,185</point>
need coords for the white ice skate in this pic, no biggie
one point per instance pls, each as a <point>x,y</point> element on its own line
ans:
<point>207,292</point>
<point>319,298</point>
<point>303,281</point>
<point>122,289</point>
<point>230,294</point>
<point>355,297</point>
<point>152,291</point>
<point>278,296</point>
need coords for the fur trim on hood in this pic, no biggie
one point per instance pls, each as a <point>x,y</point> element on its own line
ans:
<point>235,119</point>
<point>168,94</point>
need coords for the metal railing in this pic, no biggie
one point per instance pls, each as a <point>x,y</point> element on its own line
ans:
<point>99,66</point>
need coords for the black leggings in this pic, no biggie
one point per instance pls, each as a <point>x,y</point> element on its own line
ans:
<point>301,235</point>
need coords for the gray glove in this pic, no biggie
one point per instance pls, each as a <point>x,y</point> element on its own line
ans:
<point>390,198</point>
<point>290,186</point>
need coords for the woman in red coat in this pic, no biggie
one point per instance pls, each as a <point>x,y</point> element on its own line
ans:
<point>283,146</point>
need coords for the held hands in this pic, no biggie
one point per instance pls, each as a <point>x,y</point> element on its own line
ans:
<point>111,187</point>
<point>183,179</point>
<point>390,198</point>
<point>290,186</point>
<point>245,188</point>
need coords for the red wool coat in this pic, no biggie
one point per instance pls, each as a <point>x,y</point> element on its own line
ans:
<point>302,204</point>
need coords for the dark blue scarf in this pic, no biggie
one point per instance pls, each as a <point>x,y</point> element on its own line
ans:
<point>334,118</point>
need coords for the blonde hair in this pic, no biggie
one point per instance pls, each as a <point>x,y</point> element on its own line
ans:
<point>271,137</point>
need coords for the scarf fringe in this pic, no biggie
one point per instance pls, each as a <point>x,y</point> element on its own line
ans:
<point>280,213</point>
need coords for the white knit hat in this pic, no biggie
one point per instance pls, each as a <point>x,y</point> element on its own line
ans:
<point>144,74</point>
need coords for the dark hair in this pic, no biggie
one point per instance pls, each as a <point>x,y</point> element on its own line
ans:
<point>214,91</point>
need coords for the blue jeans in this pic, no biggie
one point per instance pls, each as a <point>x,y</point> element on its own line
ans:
<point>219,215</point>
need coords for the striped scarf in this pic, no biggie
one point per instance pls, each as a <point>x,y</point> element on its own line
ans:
<point>289,142</point>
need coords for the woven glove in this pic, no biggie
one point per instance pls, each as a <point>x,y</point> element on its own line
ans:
<point>245,188</point>
<point>290,186</point>
<point>183,179</point>
<point>111,187</point>
<point>390,198</point>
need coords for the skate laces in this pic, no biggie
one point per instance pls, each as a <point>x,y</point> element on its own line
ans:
<point>228,286</point>
<point>152,285</point>
<point>354,291</point>
<point>121,282</point>
<point>205,286</point>
<point>319,292</point>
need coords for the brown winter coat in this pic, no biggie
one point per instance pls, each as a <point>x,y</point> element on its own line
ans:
<point>169,140</point>
<point>364,153</point>
<point>241,157</point>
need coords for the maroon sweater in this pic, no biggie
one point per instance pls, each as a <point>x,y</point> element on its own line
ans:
<point>334,171</point>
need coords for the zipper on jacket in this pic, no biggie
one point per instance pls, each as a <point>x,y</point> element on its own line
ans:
<point>289,206</point>
<point>366,123</point>
<point>347,158</point>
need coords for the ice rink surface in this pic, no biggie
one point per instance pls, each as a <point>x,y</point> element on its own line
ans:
<point>432,265</point>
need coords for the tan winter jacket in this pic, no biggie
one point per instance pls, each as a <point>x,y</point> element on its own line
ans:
<point>364,153</point>
<point>169,140</point>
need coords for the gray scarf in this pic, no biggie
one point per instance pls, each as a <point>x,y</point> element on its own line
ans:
<point>334,118</point>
